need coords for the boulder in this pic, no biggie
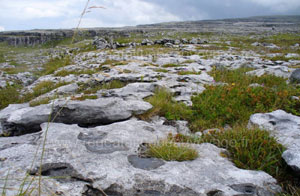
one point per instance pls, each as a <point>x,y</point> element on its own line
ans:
<point>132,90</point>
<point>295,76</point>
<point>88,161</point>
<point>147,42</point>
<point>285,127</point>
<point>279,71</point>
<point>21,119</point>
<point>101,43</point>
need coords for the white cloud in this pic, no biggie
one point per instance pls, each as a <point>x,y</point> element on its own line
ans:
<point>122,13</point>
<point>34,9</point>
<point>129,12</point>
<point>65,13</point>
<point>279,5</point>
<point>2,28</point>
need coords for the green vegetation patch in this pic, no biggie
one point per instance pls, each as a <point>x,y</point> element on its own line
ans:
<point>189,73</point>
<point>64,72</point>
<point>8,95</point>
<point>252,149</point>
<point>231,104</point>
<point>248,149</point>
<point>161,70</point>
<point>54,64</point>
<point>84,97</point>
<point>114,62</point>
<point>236,102</point>
<point>170,151</point>
<point>40,89</point>
<point>164,105</point>
<point>172,65</point>
<point>87,88</point>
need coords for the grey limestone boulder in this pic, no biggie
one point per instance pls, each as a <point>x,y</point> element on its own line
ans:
<point>22,119</point>
<point>286,128</point>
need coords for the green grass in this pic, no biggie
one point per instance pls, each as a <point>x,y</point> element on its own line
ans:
<point>231,104</point>
<point>164,105</point>
<point>161,70</point>
<point>40,89</point>
<point>54,64</point>
<point>64,72</point>
<point>42,101</point>
<point>282,58</point>
<point>235,103</point>
<point>114,62</point>
<point>170,151</point>
<point>189,53</point>
<point>2,58</point>
<point>93,88</point>
<point>189,73</point>
<point>8,95</point>
<point>189,61</point>
<point>172,65</point>
<point>84,97</point>
<point>249,149</point>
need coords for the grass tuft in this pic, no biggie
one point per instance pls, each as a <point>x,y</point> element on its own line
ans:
<point>189,73</point>
<point>170,151</point>
<point>64,72</point>
<point>55,63</point>
<point>8,95</point>
<point>172,65</point>
<point>93,88</point>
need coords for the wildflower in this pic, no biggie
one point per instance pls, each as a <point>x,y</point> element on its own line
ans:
<point>233,84</point>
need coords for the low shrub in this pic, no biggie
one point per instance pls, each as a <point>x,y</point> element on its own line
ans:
<point>236,102</point>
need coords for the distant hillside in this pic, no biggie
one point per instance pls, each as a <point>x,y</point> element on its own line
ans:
<point>257,25</point>
<point>237,25</point>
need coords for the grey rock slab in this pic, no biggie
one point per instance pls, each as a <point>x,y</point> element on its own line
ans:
<point>20,119</point>
<point>280,71</point>
<point>286,128</point>
<point>134,90</point>
<point>203,78</point>
<point>66,155</point>
<point>25,119</point>
<point>99,111</point>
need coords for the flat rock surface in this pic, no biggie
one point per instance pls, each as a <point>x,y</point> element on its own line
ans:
<point>118,171</point>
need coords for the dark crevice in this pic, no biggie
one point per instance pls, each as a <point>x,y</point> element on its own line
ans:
<point>62,172</point>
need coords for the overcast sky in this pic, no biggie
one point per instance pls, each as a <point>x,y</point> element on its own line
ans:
<point>45,14</point>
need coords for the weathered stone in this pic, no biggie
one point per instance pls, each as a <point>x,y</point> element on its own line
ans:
<point>117,173</point>
<point>295,76</point>
<point>285,127</point>
<point>279,71</point>
<point>145,163</point>
<point>19,119</point>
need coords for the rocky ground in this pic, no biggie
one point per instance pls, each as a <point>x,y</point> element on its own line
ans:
<point>80,114</point>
